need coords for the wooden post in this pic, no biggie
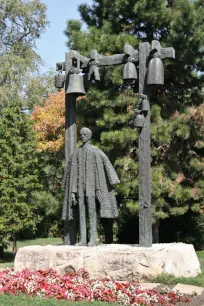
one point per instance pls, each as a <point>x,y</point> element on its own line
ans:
<point>145,210</point>
<point>70,145</point>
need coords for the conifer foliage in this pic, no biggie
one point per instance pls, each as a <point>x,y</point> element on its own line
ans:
<point>176,108</point>
<point>19,173</point>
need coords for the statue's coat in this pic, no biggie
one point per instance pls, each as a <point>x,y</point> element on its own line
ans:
<point>100,178</point>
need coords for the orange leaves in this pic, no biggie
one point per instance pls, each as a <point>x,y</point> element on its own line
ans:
<point>180,178</point>
<point>198,117</point>
<point>49,121</point>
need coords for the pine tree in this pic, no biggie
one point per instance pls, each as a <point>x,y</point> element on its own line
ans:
<point>19,175</point>
<point>176,109</point>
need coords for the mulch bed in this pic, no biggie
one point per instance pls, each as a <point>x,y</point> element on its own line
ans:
<point>197,300</point>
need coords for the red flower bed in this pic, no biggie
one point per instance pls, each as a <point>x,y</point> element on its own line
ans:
<point>79,287</point>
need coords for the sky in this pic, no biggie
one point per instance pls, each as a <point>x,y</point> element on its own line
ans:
<point>51,46</point>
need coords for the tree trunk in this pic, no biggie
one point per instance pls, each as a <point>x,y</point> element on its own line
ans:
<point>155,232</point>
<point>14,246</point>
<point>1,252</point>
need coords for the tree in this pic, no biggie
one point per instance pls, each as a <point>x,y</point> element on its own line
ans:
<point>177,150</point>
<point>19,175</point>
<point>22,22</point>
<point>37,89</point>
<point>48,122</point>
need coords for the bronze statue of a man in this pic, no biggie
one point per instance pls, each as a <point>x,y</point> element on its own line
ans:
<point>89,187</point>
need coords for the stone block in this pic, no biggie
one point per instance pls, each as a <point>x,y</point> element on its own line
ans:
<point>188,289</point>
<point>150,286</point>
<point>119,262</point>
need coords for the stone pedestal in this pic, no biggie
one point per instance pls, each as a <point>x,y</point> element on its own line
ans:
<point>119,262</point>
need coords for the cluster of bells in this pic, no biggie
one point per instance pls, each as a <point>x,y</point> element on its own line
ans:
<point>144,108</point>
<point>155,73</point>
<point>155,76</point>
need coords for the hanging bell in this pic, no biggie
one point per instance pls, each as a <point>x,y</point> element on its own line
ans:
<point>145,105</point>
<point>129,73</point>
<point>59,81</point>
<point>155,72</point>
<point>94,73</point>
<point>76,84</point>
<point>139,121</point>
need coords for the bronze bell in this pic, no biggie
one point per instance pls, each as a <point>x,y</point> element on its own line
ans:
<point>129,72</point>
<point>59,81</point>
<point>139,121</point>
<point>94,72</point>
<point>145,105</point>
<point>76,84</point>
<point>155,72</point>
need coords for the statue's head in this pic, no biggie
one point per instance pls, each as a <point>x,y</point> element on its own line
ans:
<point>85,134</point>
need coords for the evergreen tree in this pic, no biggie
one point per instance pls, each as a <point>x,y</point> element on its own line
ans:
<point>19,175</point>
<point>177,136</point>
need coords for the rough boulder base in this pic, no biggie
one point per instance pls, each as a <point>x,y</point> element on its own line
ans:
<point>118,262</point>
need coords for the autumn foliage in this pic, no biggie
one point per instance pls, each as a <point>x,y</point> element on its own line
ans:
<point>49,121</point>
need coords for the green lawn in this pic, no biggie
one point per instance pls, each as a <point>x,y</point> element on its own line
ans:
<point>23,300</point>
<point>7,262</point>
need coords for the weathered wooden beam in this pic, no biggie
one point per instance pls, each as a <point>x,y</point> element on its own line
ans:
<point>167,52</point>
<point>117,59</point>
<point>70,140</point>
<point>110,60</point>
<point>162,52</point>
<point>145,209</point>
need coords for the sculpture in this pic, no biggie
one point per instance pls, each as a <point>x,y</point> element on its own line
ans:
<point>89,181</point>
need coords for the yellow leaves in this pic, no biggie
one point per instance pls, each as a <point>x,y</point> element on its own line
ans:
<point>49,121</point>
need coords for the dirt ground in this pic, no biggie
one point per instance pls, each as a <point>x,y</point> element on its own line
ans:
<point>195,301</point>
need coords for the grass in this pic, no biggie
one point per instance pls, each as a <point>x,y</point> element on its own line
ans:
<point>23,300</point>
<point>195,281</point>
<point>7,261</point>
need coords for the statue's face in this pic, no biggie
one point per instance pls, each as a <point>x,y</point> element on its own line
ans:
<point>85,135</point>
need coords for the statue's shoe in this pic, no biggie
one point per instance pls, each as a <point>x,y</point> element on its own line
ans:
<point>81,243</point>
<point>92,243</point>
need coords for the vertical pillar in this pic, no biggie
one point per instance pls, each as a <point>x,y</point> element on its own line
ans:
<point>70,146</point>
<point>145,210</point>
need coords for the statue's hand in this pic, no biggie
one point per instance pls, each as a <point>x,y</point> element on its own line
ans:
<point>74,201</point>
<point>99,196</point>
